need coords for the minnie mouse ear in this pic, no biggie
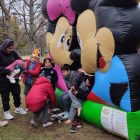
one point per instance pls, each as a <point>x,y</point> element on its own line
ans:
<point>51,10</point>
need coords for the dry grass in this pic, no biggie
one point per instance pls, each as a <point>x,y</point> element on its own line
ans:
<point>20,129</point>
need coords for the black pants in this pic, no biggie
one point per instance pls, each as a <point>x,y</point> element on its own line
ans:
<point>5,91</point>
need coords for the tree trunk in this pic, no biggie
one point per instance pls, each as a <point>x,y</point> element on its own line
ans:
<point>8,28</point>
<point>32,44</point>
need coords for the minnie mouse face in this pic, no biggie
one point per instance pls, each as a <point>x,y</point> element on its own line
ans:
<point>59,42</point>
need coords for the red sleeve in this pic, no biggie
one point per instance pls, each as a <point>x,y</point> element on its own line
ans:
<point>52,98</point>
<point>36,70</point>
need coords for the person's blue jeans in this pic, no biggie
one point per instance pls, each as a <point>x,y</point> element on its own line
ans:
<point>65,101</point>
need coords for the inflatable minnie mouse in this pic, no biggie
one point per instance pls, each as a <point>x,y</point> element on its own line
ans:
<point>53,10</point>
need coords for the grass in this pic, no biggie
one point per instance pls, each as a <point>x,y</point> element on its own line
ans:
<point>20,129</point>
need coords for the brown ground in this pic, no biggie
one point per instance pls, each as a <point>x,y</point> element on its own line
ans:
<point>20,129</point>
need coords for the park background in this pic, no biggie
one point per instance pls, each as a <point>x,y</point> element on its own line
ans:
<point>23,21</point>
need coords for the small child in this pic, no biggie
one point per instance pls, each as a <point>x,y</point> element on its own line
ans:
<point>78,94</point>
<point>41,97</point>
<point>48,71</point>
<point>33,68</point>
<point>65,101</point>
<point>16,68</point>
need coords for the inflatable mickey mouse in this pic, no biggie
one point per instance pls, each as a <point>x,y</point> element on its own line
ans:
<point>122,17</point>
<point>116,77</point>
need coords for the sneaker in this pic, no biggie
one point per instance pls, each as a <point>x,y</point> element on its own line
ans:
<point>56,111</point>
<point>56,117</point>
<point>33,123</point>
<point>20,110</point>
<point>3,123</point>
<point>61,114</point>
<point>47,124</point>
<point>26,109</point>
<point>73,128</point>
<point>8,115</point>
<point>78,124</point>
<point>11,79</point>
<point>65,116</point>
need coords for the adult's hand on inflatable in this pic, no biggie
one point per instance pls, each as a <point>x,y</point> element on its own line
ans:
<point>97,46</point>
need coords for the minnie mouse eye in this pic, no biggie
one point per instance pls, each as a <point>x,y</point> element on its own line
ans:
<point>68,42</point>
<point>62,39</point>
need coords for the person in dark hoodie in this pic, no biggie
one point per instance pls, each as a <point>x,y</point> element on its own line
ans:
<point>7,57</point>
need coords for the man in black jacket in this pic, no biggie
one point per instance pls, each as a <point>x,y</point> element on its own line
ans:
<point>7,57</point>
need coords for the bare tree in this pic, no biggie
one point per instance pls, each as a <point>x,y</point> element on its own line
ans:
<point>30,16</point>
<point>22,20</point>
<point>6,19</point>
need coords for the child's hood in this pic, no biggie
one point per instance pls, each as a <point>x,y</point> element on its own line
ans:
<point>41,79</point>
